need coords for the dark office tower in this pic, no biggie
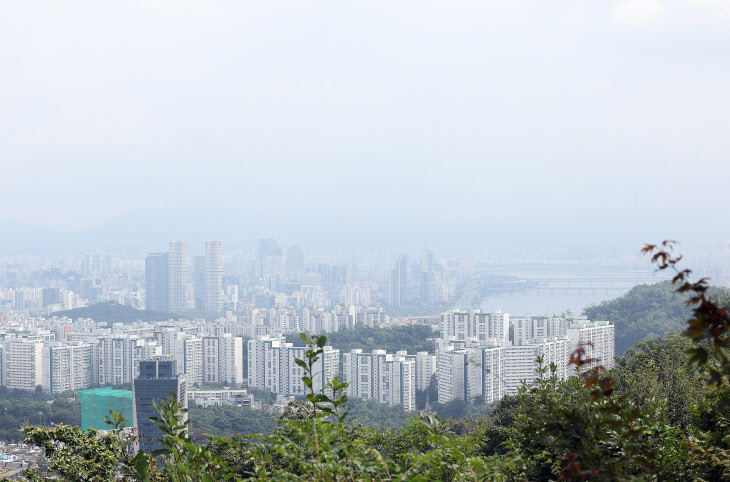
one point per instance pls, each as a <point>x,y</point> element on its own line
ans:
<point>399,281</point>
<point>199,282</point>
<point>427,275</point>
<point>294,262</point>
<point>157,288</point>
<point>157,379</point>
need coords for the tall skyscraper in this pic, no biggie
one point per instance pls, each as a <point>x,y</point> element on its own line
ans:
<point>294,261</point>
<point>399,281</point>
<point>213,276</point>
<point>157,378</point>
<point>178,277</point>
<point>156,281</point>
<point>427,275</point>
<point>199,282</point>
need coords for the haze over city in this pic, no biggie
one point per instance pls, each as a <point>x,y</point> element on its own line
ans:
<point>401,240</point>
<point>514,129</point>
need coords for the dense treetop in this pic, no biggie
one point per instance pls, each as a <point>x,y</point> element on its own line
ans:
<point>645,312</point>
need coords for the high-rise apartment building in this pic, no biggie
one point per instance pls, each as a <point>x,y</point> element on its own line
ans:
<point>213,276</point>
<point>475,325</point>
<point>157,286</point>
<point>22,363</point>
<point>189,355</point>
<point>223,359</point>
<point>425,369</point>
<point>271,365</point>
<point>399,281</point>
<point>389,379</point>
<point>66,367</point>
<point>118,359</point>
<point>157,379</point>
<point>526,329</point>
<point>597,339</point>
<point>178,276</point>
<point>521,365</point>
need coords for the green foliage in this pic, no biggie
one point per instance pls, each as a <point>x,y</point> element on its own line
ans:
<point>645,312</point>
<point>112,312</point>
<point>261,395</point>
<point>413,338</point>
<point>23,408</point>
<point>183,460</point>
<point>226,421</point>
<point>582,429</point>
<point>656,373</point>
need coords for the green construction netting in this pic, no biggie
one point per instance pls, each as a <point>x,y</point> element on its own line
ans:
<point>96,403</point>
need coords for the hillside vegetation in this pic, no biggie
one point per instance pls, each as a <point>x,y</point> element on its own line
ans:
<point>644,313</point>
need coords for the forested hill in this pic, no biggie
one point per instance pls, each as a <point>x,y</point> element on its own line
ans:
<point>645,312</point>
<point>115,313</point>
<point>413,338</point>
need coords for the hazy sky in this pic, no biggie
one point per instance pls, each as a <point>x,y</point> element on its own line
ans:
<point>571,113</point>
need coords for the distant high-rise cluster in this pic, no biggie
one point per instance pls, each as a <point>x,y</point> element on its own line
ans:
<point>166,279</point>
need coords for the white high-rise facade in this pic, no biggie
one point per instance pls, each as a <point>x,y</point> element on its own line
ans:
<point>22,363</point>
<point>189,356</point>
<point>178,279</point>
<point>521,366</point>
<point>389,379</point>
<point>451,374</point>
<point>425,369</point>
<point>529,328</point>
<point>213,300</point>
<point>475,325</point>
<point>119,358</point>
<point>272,365</point>
<point>66,367</point>
<point>223,359</point>
<point>597,339</point>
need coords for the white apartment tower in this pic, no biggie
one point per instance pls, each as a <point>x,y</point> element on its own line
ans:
<point>178,279</point>
<point>189,356</point>
<point>425,367</point>
<point>213,300</point>
<point>483,327</point>
<point>223,359</point>
<point>529,328</point>
<point>118,359</point>
<point>521,366</point>
<point>271,365</point>
<point>66,367</point>
<point>390,379</point>
<point>451,374</point>
<point>597,339</point>
<point>22,363</point>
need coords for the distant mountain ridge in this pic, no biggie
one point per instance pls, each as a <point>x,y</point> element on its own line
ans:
<point>112,312</point>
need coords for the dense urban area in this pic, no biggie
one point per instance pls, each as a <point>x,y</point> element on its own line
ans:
<point>111,333</point>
